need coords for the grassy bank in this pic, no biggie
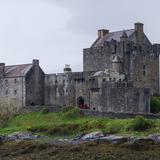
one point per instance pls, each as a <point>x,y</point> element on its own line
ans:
<point>71,122</point>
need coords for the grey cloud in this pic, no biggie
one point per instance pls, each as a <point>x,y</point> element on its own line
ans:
<point>56,31</point>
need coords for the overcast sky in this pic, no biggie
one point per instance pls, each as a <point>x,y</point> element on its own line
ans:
<point>56,31</point>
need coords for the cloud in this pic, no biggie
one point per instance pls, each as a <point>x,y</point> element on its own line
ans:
<point>56,31</point>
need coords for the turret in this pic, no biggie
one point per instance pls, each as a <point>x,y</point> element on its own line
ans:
<point>117,65</point>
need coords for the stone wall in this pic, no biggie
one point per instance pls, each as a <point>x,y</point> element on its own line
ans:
<point>145,69</point>
<point>124,99</point>
<point>117,115</point>
<point>63,88</point>
<point>11,94</point>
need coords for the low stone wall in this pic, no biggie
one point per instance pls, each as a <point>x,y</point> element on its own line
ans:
<point>39,108</point>
<point>92,113</point>
<point>117,115</point>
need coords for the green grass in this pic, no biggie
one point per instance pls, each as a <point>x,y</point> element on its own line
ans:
<point>71,123</point>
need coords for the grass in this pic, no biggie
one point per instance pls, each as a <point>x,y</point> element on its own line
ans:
<point>71,122</point>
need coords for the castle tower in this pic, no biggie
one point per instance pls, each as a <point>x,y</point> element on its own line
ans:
<point>117,65</point>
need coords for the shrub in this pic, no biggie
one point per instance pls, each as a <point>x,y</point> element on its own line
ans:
<point>45,111</point>
<point>72,113</point>
<point>66,109</point>
<point>36,128</point>
<point>140,124</point>
<point>155,104</point>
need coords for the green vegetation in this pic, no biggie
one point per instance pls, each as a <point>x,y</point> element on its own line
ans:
<point>155,104</point>
<point>140,124</point>
<point>70,122</point>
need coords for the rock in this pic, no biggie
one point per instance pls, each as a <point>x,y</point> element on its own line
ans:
<point>2,138</point>
<point>114,139</point>
<point>21,136</point>
<point>78,137</point>
<point>155,138</point>
<point>142,141</point>
<point>92,136</point>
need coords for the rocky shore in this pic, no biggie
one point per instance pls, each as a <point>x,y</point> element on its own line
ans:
<point>92,146</point>
<point>97,137</point>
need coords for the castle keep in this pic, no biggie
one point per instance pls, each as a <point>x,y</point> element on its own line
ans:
<point>120,73</point>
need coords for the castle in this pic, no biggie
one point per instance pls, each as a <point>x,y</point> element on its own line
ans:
<point>120,73</point>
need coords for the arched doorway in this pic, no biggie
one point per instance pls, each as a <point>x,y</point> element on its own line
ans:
<point>80,102</point>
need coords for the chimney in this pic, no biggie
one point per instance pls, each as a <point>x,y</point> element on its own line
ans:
<point>139,27</point>
<point>139,32</point>
<point>35,62</point>
<point>102,32</point>
<point>2,70</point>
<point>67,69</point>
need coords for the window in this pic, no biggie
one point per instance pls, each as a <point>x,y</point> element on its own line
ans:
<point>115,49</point>
<point>6,82</point>
<point>15,92</point>
<point>144,70</point>
<point>6,92</point>
<point>15,80</point>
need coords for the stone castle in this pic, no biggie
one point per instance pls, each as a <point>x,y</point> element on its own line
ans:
<point>120,73</point>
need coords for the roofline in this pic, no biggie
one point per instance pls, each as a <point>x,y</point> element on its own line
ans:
<point>122,30</point>
<point>19,65</point>
<point>13,77</point>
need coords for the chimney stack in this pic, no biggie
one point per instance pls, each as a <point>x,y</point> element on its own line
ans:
<point>35,62</point>
<point>139,32</point>
<point>67,69</point>
<point>2,70</point>
<point>102,32</point>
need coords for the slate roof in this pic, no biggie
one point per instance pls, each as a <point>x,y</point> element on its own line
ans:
<point>17,70</point>
<point>112,35</point>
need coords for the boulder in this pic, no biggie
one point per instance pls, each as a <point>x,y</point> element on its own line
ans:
<point>155,138</point>
<point>20,136</point>
<point>92,136</point>
<point>114,139</point>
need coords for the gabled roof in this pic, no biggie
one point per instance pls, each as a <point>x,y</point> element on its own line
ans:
<point>116,59</point>
<point>17,70</point>
<point>112,36</point>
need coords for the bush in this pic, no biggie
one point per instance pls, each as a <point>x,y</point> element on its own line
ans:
<point>45,111</point>
<point>140,124</point>
<point>155,104</point>
<point>71,113</point>
<point>66,109</point>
